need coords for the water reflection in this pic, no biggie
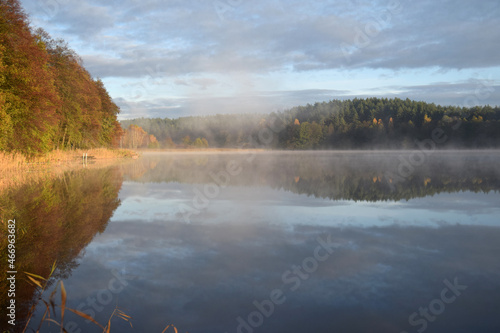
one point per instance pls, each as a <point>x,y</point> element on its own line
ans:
<point>369,176</point>
<point>56,219</point>
<point>203,278</point>
<point>257,233</point>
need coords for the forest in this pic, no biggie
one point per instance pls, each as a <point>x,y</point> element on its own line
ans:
<point>338,124</point>
<point>48,100</point>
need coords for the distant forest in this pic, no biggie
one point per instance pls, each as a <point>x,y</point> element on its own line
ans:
<point>359,123</point>
<point>47,98</point>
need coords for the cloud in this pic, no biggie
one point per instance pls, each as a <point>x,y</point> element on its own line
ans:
<point>190,37</point>
<point>466,94</point>
<point>197,46</point>
<point>201,83</point>
<point>257,102</point>
<point>469,93</point>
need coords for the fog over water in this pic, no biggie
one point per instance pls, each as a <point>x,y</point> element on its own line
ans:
<point>302,241</point>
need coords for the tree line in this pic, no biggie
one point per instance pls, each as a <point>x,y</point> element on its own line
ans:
<point>48,100</point>
<point>337,124</point>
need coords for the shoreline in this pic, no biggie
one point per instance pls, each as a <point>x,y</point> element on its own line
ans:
<point>307,151</point>
<point>17,170</point>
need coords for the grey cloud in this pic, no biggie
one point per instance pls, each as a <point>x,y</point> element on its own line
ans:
<point>202,83</point>
<point>468,93</point>
<point>260,102</point>
<point>262,37</point>
<point>164,108</point>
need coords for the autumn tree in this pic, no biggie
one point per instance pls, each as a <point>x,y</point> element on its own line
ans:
<point>135,136</point>
<point>29,97</point>
<point>47,98</point>
<point>153,142</point>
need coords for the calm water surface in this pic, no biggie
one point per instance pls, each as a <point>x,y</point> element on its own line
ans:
<point>277,242</point>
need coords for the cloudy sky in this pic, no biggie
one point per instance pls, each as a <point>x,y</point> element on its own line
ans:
<point>171,58</point>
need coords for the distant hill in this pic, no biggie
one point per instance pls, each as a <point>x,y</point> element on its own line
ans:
<point>349,124</point>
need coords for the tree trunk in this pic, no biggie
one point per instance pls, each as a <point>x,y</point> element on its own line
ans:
<point>64,136</point>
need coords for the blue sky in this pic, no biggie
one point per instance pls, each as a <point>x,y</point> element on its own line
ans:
<point>174,58</point>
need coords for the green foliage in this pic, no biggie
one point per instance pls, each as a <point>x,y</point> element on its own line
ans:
<point>200,143</point>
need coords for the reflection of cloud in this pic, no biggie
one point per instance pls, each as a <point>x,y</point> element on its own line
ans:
<point>467,203</point>
<point>205,276</point>
<point>168,202</point>
<point>266,189</point>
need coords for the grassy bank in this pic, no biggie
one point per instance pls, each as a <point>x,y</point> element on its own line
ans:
<point>201,150</point>
<point>19,162</point>
<point>17,169</point>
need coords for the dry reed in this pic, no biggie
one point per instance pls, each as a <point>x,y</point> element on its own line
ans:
<point>17,169</point>
<point>50,317</point>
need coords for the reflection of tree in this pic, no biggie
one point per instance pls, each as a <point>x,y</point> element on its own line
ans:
<point>55,220</point>
<point>369,177</point>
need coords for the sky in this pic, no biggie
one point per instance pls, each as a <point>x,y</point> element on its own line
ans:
<point>173,58</point>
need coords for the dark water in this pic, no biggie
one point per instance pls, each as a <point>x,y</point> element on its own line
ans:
<point>273,242</point>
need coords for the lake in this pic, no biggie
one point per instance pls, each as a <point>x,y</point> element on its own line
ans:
<point>271,242</point>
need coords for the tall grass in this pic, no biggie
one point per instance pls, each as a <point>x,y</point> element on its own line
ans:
<point>51,317</point>
<point>17,169</point>
<point>19,162</point>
